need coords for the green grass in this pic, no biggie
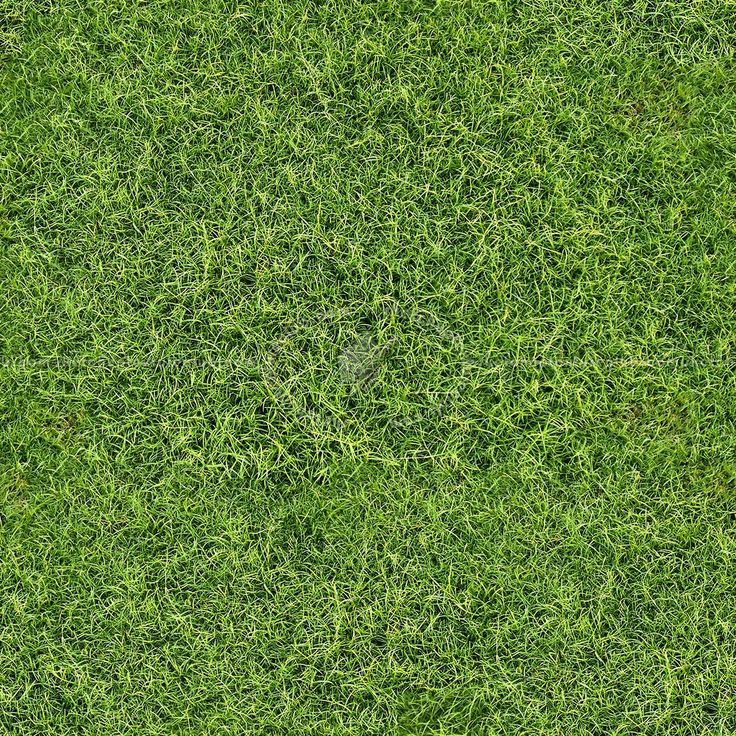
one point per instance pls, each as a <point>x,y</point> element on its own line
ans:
<point>367,367</point>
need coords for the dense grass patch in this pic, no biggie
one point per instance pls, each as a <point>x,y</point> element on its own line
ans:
<point>367,367</point>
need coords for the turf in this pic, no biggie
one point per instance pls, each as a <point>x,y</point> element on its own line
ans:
<point>368,367</point>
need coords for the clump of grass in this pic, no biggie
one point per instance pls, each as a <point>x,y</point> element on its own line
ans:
<point>367,368</point>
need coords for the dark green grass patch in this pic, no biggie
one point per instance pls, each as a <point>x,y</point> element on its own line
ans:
<point>367,368</point>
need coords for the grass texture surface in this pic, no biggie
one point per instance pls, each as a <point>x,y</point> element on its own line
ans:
<point>367,367</point>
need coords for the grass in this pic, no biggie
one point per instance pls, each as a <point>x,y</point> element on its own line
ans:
<point>368,367</point>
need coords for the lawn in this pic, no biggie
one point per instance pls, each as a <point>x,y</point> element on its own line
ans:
<point>367,368</point>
